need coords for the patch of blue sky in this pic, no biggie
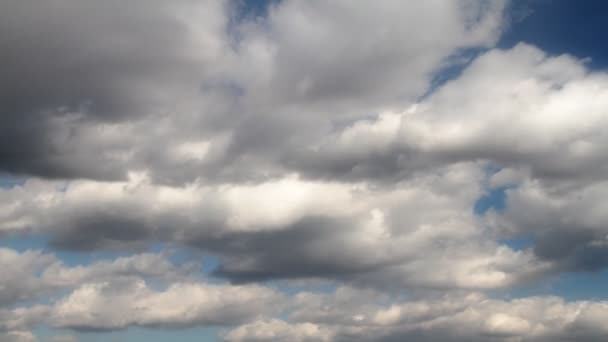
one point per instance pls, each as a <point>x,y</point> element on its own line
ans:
<point>571,286</point>
<point>292,288</point>
<point>251,9</point>
<point>493,199</point>
<point>518,243</point>
<point>496,199</point>
<point>452,67</point>
<point>23,242</point>
<point>9,181</point>
<point>558,27</point>
<point>247,11</point>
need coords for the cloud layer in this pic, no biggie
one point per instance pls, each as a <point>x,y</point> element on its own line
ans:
<point>307,143</point>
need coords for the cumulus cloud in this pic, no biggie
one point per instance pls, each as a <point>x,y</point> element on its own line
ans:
<point>423,221</point>
<point>539,119</point>
<point>19,320</point>
<point>279,331</point>
<point>565,221</point>
<point>107,99</point>
<point>118,305</point>
<point>74,68</point>
<point>518,108</point>
<point>18,336</point>
<point>311,142</point>
<point>32,273</point>
<point>349,315</point>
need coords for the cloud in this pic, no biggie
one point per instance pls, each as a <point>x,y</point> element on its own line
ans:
<point>72,68</point>
<point>32,274</point>
<point>516,108</point>
<point>21,282</point>
<point>521,111</point>
<point>21,319</point>
<point>310,55</point>
<point>137,89</point>
<point>289,227</point>
<point>564,219</point>
<point>18,336</point>
<point>349,315</point>
<point>118,305</point>
<point>279,331</point>
<point>310,143</point>
<point>16,324</point>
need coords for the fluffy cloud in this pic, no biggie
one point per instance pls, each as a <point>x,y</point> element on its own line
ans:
<point>310,143</point>
<point>539,119</point>
<point>18,336</point>
<point>279,331</point>
<point>107,99</point>
<point>15,324</point>
<point>21,281</point>
<point>518,108</point>
<point>73,68</point>
<point>33,273</point>
<point>288,228</point>
<point>565,221</point>
<point>143,290</point>
<point>349,315</point>
<point>118,305</point>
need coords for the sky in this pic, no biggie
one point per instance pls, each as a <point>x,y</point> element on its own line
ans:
<point>303,171</point>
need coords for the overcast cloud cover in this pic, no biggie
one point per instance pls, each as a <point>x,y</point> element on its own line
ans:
<point>296,171</point>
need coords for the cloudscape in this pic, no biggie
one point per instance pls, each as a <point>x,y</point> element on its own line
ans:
<point>303,171</point>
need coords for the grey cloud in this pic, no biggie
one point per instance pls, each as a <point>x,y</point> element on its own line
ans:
<point>68,65</point>
<point>354,316</point>
<point>33,274</point>
<point>118,305</point>
<point>564,220</point>
<point>77,69</point>
<point>20,281</point>
<point>312,73</point>
<point>508,107</point>
<point>303,249</point>
<point>323,52</point>
<point>352,232</point>
<point>296,146</point>
<point>18,336</point>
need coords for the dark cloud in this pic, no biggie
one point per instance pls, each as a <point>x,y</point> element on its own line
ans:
<point>103,231</point>
<point>301,250</point>
<point>562,219</point>
<point>66,65</point>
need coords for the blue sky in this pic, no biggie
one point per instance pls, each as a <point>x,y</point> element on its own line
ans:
<point>248,193</point>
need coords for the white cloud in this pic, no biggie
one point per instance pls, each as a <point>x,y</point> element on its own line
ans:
<point>355,316</point>
<point>32,273</point>
<point>303,144</point>
<point>279,331</point>
<point>118,305</point>
<point>420,225</point>
<point>18,336</point>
